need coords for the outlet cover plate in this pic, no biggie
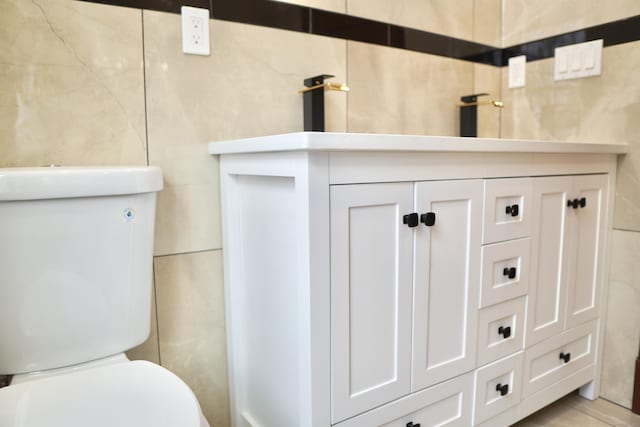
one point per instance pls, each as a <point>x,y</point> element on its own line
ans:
<point>517,71</point>
<point>195,30</point>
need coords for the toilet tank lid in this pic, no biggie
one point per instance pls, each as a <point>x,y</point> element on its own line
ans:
<point>33,183</point>
<point>130,394</point>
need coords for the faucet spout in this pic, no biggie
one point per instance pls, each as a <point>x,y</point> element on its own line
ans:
<point>313,100</point>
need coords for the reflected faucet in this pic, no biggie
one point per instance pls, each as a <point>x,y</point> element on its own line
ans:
<point>469,113</point>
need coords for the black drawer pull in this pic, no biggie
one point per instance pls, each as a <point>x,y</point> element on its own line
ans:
<point>504,331</point>
<point>411,424</point>
<point>514,210</point>
<point>411,220</point>
<point>503,389</point>
<point>428,219</point>
<point>565,356</point>
<point>510,272</point>
<point>574,203</point>
<point>583,202</point>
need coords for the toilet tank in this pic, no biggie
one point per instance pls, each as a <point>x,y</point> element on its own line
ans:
<point>76,253</point>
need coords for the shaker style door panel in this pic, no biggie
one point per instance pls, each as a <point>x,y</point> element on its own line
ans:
<point>448,404</point>
<point>501,330</point>
<point>547,287</point>
<point>507,210</point>
<point>371,256</point>
<point>556,358</point>
<point>588,221</point>
<point>505,271</point>
<point>446,280</point>
<point>498,387</point>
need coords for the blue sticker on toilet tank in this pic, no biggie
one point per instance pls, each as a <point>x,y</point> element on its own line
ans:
<point>128,214</point>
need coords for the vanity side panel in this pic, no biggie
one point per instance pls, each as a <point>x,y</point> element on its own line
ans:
<point>274,360</point>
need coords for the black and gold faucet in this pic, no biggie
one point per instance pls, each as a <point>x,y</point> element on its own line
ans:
<point>313,99</point>
<point>469,113</point>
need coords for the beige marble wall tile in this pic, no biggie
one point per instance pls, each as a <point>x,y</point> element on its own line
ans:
<point>598,109</point>
<point>332,5</point>
<point>525,20</point>
<point>149,349</point>
<point>192,328</point>
<point>402,92</point>
<point>247,87</point>
<point>451,18</point>
<point>71,84</point>
<point>487,22</point>
<point>622,338</point>
<point>486,79</point>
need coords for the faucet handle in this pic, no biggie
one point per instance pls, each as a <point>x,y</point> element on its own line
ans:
<point>472,98</point>
<point>317,80</point>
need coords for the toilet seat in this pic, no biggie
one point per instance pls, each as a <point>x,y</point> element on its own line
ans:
<point>130,394</point>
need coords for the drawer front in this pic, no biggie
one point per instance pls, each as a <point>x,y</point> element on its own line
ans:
<point>501,330</point>
<point>498,387</point>
<point>507,209</point>
<point>447,404</point>
<point>556,358</point>
<point>505,271</point>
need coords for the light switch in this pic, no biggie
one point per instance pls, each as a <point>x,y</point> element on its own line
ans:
<point>589,56</point>
<point>517,71</point>
<point>578,60</point>
<point>575,60</point>
<point>562,60</point>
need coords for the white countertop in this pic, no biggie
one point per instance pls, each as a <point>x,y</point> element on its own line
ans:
<point>329,141</point>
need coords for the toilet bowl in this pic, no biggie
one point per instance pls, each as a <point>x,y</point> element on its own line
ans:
<point>76,248</point>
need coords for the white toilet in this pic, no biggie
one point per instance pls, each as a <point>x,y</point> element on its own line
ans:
<point>76,247</point>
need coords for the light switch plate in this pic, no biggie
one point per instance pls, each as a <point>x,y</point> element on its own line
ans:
<point>195,30</point>
<point>517,71</point>
<point>578,60</point>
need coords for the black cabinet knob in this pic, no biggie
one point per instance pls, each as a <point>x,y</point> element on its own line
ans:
<point>510,272</point>
<point>565,356</point>
<point>513,210</point>
<point>411,424</point>
<point>504,331</point>
<point>428,219</point>
<point>583,202</point>
<point>574,203</point>
<point>411,219</point>
<point>503,389</point>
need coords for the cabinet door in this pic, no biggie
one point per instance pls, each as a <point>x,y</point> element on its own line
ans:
<point>446,280</point>
<point>370,296</point>
<point>587,225</point>
<point>547,287</point>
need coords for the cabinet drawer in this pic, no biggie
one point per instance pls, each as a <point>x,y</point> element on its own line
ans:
<point>447,404</point>
<point>500,330</point>
<point>505,271</point>
<point>498,387</point>
<point>507,209</point>
<point>559,356</point>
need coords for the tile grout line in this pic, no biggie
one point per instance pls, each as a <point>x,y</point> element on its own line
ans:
<point>626,229</point>
<point>155,298</point>
<point>188,252</point>
<point>144,86</point>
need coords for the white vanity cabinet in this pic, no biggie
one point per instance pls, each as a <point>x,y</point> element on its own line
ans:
<point>567,248</point>
<point>378,280</point>
<point>404,288</point>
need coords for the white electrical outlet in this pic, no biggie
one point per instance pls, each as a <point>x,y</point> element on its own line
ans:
<point>195,30</point>
<point>517,71</point>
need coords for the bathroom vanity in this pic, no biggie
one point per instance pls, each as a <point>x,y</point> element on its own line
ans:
<point>380,280</point>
